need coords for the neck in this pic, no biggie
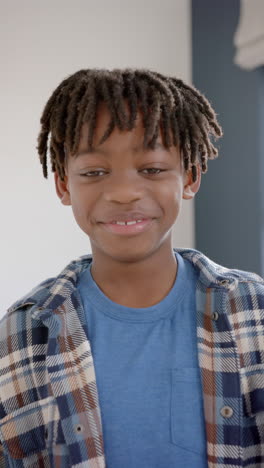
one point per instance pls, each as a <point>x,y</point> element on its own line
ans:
<point>139,283</point>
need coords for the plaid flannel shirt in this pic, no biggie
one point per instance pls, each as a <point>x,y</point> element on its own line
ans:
<point>49,410</point>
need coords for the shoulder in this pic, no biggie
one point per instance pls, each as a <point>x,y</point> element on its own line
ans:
<point>44,296</point>
<point>240,292</point>
<point>238,297</point>
<point>212,274</point>
<point>24,334</point>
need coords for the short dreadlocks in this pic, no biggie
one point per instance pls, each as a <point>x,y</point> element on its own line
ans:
<point>184,115</point>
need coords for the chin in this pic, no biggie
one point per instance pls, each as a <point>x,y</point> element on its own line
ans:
<point>128,254</point>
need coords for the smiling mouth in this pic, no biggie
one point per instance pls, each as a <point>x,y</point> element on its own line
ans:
<point>128,227</point>
<point>127,223</point>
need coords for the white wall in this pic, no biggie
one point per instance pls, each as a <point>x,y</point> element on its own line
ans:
<point>40,44</point>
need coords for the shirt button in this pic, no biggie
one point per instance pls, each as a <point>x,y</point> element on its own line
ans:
<point>224,282</point>
<point>78,428</point>
<point>215,316</point>
<point>227,412</point>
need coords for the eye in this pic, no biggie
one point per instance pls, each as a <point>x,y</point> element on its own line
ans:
<point>100,173</point>
<point>93,173</point>
<point>153,170</point>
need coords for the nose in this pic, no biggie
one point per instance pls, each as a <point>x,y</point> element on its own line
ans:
<point>123,188</point>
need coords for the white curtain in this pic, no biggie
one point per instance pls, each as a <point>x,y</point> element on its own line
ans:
<point>249,36</point>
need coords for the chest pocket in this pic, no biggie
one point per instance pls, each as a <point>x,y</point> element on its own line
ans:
<point>252,383</point>
<point>187,416</point>
<point>31,436</point>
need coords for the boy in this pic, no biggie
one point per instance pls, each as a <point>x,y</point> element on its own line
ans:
<point>140,355</point>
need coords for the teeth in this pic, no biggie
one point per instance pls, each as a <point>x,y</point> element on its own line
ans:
<point>128,223</point>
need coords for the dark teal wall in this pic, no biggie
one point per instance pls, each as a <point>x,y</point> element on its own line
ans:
<point>229,207</point>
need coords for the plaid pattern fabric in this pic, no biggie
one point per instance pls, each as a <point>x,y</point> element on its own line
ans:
<point>49,410</point>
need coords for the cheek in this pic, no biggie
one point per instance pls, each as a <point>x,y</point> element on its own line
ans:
<point>174,204</point>
<point>79,200</point>
<point>171,193</point>
<point>84,204</point>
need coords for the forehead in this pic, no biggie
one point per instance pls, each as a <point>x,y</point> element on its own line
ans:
<point>103,114</point>
<point>103,119</point>
<point>120,142</point>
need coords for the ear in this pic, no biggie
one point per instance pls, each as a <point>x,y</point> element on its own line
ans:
<point>62,189</point>
<point>190,187</point>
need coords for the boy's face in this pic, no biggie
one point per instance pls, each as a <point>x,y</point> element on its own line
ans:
<point>122,181</point>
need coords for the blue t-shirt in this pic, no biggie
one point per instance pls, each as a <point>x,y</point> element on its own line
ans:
<point>147,375</point>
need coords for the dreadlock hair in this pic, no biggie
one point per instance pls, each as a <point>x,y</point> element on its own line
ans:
<point>183,114</point>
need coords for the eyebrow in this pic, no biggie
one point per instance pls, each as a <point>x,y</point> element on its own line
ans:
<point>102,152</point>
<point>88,152</point>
